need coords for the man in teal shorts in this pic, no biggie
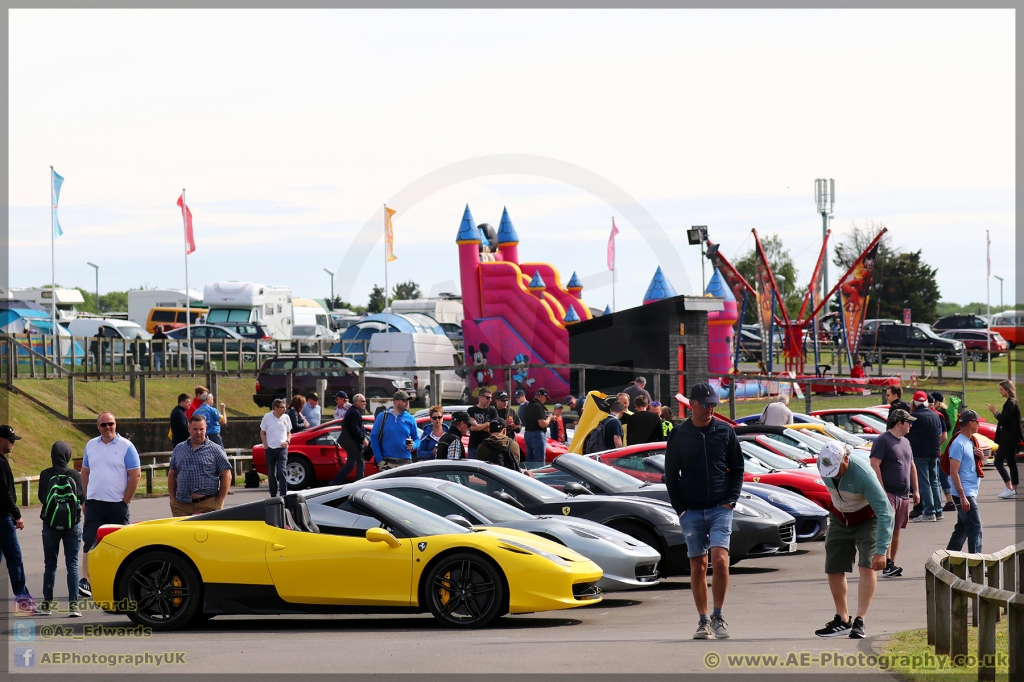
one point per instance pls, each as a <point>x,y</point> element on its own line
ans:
<point>860,526</point>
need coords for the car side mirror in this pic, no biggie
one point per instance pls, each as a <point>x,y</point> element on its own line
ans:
<point>573,488</point>
<point>381,535</point>
<point>460,520</point>
<point>507,499</point>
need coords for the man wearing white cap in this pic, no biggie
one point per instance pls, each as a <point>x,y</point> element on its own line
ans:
<point>860,526</point>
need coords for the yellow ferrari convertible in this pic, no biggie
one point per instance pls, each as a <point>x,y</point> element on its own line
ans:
<point>268,557</point>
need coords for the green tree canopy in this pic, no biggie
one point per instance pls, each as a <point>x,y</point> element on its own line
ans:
<point>406,291</point>
<point>377,303</point>
<point>781,263</point>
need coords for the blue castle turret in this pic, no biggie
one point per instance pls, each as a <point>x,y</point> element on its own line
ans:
<point>660,288</point>
<point>468,232</point>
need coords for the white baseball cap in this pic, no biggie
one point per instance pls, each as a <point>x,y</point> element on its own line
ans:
<point>830,457</point>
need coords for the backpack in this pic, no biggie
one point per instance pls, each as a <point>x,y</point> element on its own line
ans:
<point>252,479</point>
<point>62,510</point>
<point>596,438</point>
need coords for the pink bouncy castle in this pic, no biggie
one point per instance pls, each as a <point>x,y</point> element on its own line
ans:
<point>721,326</point>
<point>515,313</point>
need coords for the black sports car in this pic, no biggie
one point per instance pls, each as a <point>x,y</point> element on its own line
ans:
<point>759,529</point>
<point>648,520</point>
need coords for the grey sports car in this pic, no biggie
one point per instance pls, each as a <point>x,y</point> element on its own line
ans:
<point>627,563</point>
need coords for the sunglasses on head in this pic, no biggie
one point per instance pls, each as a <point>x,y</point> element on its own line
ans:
<point>106,424</point>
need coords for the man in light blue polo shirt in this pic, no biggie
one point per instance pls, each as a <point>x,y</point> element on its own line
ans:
<point>964,472</point>
<point>110,474</point>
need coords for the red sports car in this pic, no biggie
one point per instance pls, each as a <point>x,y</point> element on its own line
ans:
<point>314,455</point>
<point>760,466</point>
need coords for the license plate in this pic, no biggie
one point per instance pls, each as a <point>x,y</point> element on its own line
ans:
<point>792,547</point>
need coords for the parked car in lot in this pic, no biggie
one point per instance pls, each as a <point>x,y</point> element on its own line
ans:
<point>958,321</point>
<point>652,522</point>
<point>248,330</point>
<point>341,373</point>
<point>979,344</point>
<point>758,529</point>
<point>212,339</point>
<point>627,563</point>
<point>910,338</point>
<point>646,462</point>
<point>118,333</point>
<point>268,557</point>
<point>1010,325</point>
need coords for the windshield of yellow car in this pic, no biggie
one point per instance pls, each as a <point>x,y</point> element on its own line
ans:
<point>418,522</point>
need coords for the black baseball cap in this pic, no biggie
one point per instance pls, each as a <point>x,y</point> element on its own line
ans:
<point>7,433</point>
<point>541,391</point>
<point>936,397</point>
<point>966,417</point>
<point>704,393</point>
<point>341,394</point>
<point>460,416</point>
<point>501,396</point>
<point>520,393</point>
<point>313,396</point>
<point>496,426</point>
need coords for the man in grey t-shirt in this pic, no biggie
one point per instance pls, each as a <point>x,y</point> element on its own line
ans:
<point>893,462</point>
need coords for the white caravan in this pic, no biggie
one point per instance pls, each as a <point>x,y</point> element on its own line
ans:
<point>250,302</point>
<point>67,299</point>
<point>141,301</point>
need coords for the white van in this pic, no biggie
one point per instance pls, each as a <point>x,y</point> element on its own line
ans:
<point>141,301</point>
<point>407,349</point>
<point>120,331</point>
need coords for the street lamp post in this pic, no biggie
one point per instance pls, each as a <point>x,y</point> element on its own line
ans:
<point>1000,291</point>
<point>824,199</point>
<point>331,273</point>
<point>97,269</point>
<point>698,236</point>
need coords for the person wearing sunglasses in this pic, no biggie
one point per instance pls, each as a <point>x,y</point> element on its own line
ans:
<point>480,416</point>
<point>110,475</point>
<point>353,439</point>
<point>10,522</point>
<point>965,470</point>
<point>432,433</point>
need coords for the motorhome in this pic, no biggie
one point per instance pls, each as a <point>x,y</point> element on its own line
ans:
<point>446,308</point>
<point>67,300</point>
<point>271,307</point>
<point>142,301</point>
<point>407,349</point>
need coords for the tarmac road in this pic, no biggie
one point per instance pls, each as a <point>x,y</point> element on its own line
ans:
<point>773,607</point>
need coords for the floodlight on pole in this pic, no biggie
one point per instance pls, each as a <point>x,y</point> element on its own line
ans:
<point>97,269</point>
<point>331,273</point>
<point>824,199</point>
<point>698,236</point>
<point>1000,291</point>
<point>782,288</point>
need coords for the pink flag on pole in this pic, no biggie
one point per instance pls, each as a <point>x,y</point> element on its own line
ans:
<point>190,240</point>
<point>611,246</point>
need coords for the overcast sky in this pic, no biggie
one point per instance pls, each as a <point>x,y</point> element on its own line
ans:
<point>290,129</point>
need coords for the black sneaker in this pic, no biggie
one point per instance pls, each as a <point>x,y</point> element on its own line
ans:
<point>836,628</point>
<point>891,570</point>
<point>84,588</point>
<point>857,631</point>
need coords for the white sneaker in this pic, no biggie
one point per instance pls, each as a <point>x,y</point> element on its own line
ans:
<point>1007,494</point>
<point>923,517</point>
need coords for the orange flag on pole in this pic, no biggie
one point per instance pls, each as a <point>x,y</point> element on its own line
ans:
<point>389,234</point>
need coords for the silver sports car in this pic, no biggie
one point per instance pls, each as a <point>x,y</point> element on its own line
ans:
<point>627,563</point>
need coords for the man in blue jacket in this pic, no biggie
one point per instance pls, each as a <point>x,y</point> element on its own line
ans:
<point>395,435</point>
<point>704,475</point>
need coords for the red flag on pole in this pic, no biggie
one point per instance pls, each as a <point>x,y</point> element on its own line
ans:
<point>186,216</point>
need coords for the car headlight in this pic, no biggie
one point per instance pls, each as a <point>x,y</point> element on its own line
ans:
<point>396,383</point>
<point>539,552</point>
<point>668,516</point>
<point>744,510</point>
<point>819,481</point>
<point>791,501</point>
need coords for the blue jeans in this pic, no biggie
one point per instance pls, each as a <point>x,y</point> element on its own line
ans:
<point>706,528</point>
<point>968,527</point>
<point>536,445</point>
<point>946,481</point>
<point>928,482</point>
<point>11,552</point>
<point>471,453</point>
<point>277,463</point>
<point>52,539</point>
<point>215,437</point>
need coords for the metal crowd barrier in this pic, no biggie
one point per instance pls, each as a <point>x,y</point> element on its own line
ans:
<point>992,583</point>
<point>239,465</point>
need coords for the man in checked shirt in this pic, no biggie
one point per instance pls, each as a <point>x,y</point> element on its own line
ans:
<point>199,475</point>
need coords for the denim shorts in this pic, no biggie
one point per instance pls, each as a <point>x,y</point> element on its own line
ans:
<point>706,528</point>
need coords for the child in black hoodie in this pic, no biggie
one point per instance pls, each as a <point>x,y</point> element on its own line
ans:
<point>63,482</point>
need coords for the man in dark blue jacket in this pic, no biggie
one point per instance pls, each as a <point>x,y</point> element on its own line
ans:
<point>704,475</point>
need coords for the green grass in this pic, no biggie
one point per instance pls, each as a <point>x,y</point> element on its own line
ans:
<point>914,643</point>
<point>39,430</point>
